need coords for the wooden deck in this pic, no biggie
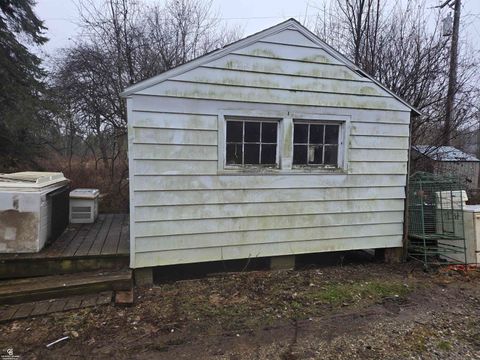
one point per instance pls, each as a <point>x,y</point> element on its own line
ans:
<point>108,236</point>
<point>101,246</point>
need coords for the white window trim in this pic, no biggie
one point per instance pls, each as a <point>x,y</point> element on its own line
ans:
<point>284,142</point>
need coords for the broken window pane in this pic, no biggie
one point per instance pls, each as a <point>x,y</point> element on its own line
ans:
<point>316,134</point>
<point>300,154</point>
<point>315,154</point>
<point>252,154</point>
<point>269,154</point>
<point>331,155</point>
<point>234,131</point>
<point>331,134</point>
<point>300,134</point>
<point>234,154</point>
<point>252,131</point>
<point>269,132</point>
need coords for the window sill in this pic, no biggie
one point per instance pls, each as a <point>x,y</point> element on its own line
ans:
<point>277,171</point>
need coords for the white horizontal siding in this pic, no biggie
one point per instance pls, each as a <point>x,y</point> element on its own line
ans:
<point>205,75</point>
<point>266,66</point>
<point>376,167</point>
<point>177,136</point>
<point>230,182</point>
<point>276,96</point>
<point>376,142</point>
<point>264,196</point>
<point>229,225</point>
<point>378,155</point>
<point>174,121</point>
<point>173,152</point>
<point>290,37</point>
<point>375,129</point>
<point>199,106</point>
<point>312,233</point>
<point>174,167</point>
<point>184,210</point>
<point>240,251</point>
<point>297,53</point>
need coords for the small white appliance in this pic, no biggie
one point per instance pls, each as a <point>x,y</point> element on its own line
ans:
<point>84,206</point>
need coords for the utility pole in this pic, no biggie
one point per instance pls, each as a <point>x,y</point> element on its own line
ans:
<point>452,77</point>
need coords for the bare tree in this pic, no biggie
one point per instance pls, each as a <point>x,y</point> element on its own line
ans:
<point>403,47</point>
<point>123,42</point>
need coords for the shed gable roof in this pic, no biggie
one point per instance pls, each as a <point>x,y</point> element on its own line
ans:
<point>274,35</point>
<point>444,153</point>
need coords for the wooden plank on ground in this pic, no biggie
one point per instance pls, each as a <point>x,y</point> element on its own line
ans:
<point>57,305</point>
<point>73,302</point>
<point>24,311</point>
<point>90,238</point>
<point>21,290</point>
<point>111,242</point>
<point>41,308</point>
<point>38,308</point>
<point>124,242</point>
<point>104,298</point>
<point>102,235</point>
<point>89,300</point>
<point>7,313</point>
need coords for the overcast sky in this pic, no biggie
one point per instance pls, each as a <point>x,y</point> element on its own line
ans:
<point>61,16</point>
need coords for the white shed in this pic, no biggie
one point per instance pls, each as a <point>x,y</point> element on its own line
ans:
<point>273,145</point>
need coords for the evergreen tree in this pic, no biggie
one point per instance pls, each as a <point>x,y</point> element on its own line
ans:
<point>21,82</point>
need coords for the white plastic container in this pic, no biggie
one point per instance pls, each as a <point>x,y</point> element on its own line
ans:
<point>471,231</point>
<point>471,218</point>
<point>27,216</point>
<point>84,206</point>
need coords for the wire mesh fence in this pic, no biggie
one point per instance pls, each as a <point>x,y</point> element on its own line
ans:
<point>435,228</point>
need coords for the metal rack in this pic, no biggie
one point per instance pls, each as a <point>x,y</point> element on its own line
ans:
<point>435,227</point>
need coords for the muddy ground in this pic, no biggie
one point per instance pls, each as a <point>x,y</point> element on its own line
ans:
<point>347,310</point>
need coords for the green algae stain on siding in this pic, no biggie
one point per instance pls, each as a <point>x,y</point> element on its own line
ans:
<point>264,52</point>
<point>317,59</point>
<point>368,90</point>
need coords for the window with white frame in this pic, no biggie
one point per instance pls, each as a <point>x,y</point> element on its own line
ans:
<point>251,142</point>
<point>316,144</point>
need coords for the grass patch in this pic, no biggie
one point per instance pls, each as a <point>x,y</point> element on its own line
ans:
<point>444,345</point>
<point>341,293</point>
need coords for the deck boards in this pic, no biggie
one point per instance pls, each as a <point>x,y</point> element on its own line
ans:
<point>108,236</point>
<point>113,238</point>
<point>96,247</point>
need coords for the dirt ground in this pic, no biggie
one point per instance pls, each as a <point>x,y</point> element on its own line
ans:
<point>356,310</point>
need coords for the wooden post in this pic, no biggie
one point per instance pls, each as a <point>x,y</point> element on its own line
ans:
<point>143,276</point>
<point>389,255</point>
<point>452,77</point>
